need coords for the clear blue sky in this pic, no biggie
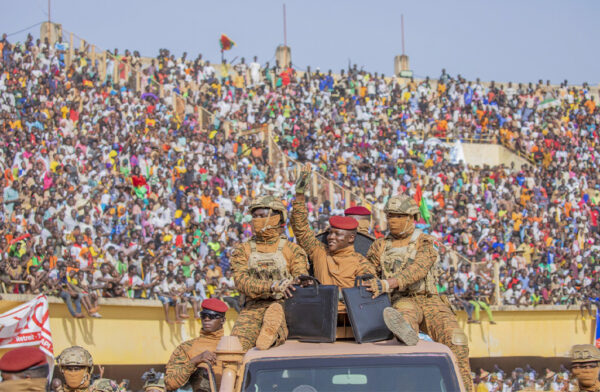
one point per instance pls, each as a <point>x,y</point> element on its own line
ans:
<point>519,40</point>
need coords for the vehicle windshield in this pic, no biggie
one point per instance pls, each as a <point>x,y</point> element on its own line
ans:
<point>352,374</point>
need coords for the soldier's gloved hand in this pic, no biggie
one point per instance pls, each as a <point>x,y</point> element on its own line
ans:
<point>302,181</point>
<point>378,287</point>
<point>303,282</point>
<point>283,286</point>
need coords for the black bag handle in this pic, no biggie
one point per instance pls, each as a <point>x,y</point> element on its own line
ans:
<point>363,289</point>
<point>315,282</point>
<point>361,278</point>
<point>308,277</point>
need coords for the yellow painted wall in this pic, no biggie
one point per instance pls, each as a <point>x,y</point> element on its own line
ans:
<point>546,333</point>
<point>125,334</point>
<point>139,335</point>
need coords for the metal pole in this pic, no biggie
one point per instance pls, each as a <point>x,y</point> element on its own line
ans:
<point>402,27</point>
<point>49,22</point>
<point>284,28</point>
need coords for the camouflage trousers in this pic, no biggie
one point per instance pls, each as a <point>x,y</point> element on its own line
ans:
<point>249,322</point>
<point>432,315</point>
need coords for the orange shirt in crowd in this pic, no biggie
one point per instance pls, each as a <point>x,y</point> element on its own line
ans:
<point>256,152</point>
<point>590,105</point>
<point>208,204</point>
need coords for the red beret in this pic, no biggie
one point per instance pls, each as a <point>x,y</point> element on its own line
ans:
<point>343,222</point>
<point>215,305</point>
<point>357,210</point>
<point>21,359</point>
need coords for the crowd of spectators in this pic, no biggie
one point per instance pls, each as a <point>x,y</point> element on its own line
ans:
<point>525,379</point>
<point>117,190</point>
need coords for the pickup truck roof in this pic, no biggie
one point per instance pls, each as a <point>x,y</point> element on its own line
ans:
<point>294,348</point>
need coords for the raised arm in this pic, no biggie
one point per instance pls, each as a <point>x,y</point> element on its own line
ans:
<point>302,232</point>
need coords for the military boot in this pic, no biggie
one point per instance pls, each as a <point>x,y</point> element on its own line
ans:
<point>400,327</point>
<point>272,321</point>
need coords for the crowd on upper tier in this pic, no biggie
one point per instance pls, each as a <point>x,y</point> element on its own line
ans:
<point>112,188</point>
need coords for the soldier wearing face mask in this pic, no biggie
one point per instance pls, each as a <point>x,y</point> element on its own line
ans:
<point>76,366</point>
<point>264,269</point>
<point>585,361</point>
<point>407,264</point>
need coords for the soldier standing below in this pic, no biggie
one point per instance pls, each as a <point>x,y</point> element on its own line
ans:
<point>76,366</point>
<point>336,263</point>
<point>183,364</point>
<point>407,262</point>
<point>264,269</point>
<point>24,369</point>
<point>585,361</point>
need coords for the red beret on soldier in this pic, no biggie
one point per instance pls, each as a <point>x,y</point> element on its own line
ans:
<point>343,222</point>
<point>216,305</point>
<point>357,210</point>
<point>21,359</point>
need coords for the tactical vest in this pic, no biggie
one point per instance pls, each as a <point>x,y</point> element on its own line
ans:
<point>395,260</point>
<point>268,266</point>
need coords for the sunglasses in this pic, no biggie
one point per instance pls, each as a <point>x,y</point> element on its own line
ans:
<point>210,316</point>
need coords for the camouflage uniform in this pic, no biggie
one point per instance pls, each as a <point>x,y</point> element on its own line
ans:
<point>77,356</point>
<point>180,369</point>
<point>256,265</point>
<point>338,269</point>
<point>414,262</point>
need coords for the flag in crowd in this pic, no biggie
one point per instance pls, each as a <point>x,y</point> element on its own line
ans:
<point>226,43</point>
<point>422,203</point>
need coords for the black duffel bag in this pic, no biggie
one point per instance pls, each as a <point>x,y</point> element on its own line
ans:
<point>365,312</point>
<point>311,313</point>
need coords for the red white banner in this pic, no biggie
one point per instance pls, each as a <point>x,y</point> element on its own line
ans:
<point>27,325</point>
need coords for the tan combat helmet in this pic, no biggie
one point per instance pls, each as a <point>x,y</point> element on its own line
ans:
<point>401,204</point>
<point>269,202</point>
<point>75,356</point>
<point>157,384</point>
<point>105,385</point>
<point>585,353</point>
